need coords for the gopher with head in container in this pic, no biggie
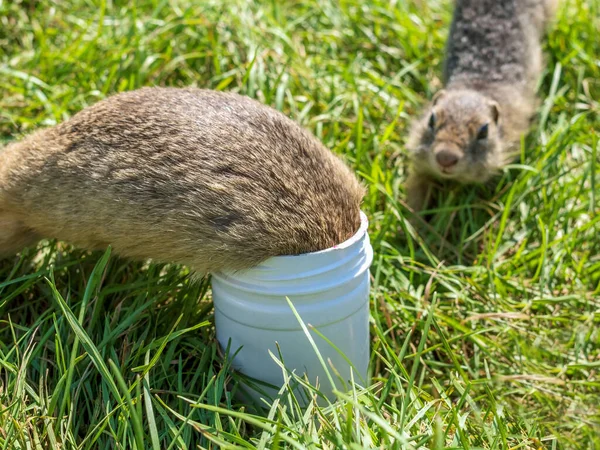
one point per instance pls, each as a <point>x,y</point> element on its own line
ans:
<point>208,179</point>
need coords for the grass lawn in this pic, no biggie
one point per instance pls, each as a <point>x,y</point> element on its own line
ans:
<point>485,321</point>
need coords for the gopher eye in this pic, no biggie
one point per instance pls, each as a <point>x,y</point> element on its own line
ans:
<point>432,122</point>
<point>483,132</point>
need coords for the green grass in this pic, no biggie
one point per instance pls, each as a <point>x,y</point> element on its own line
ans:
<point>485,321</point>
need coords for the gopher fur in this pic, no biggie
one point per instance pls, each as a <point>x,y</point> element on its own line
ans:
<point>473,126</point>
<point>212,180</point>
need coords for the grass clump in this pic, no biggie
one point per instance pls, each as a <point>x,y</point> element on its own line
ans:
<point>485,325</point>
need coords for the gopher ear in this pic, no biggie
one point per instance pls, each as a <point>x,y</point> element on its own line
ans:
<point>495,110</point>
<point>437,96</point>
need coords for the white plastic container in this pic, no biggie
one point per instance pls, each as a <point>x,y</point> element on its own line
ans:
<point>330,291</point>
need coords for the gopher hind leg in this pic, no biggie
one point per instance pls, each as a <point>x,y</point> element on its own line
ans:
<point>14,235</point>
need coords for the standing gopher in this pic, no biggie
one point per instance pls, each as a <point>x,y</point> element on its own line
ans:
<point>474,125</point>
<point>208,179</point>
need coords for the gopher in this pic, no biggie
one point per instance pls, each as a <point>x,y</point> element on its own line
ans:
<point>473,126</point>
<point>212,180</point>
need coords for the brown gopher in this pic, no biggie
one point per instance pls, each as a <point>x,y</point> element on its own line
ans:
<point>209,179</point>
<point>473,126</point>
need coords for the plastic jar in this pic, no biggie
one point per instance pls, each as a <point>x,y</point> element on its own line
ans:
<point>330,291</point>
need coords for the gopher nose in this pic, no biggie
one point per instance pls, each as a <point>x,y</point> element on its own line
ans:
<point>446,158</point>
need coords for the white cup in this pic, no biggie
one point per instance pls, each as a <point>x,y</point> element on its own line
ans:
<point>329,290</point>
